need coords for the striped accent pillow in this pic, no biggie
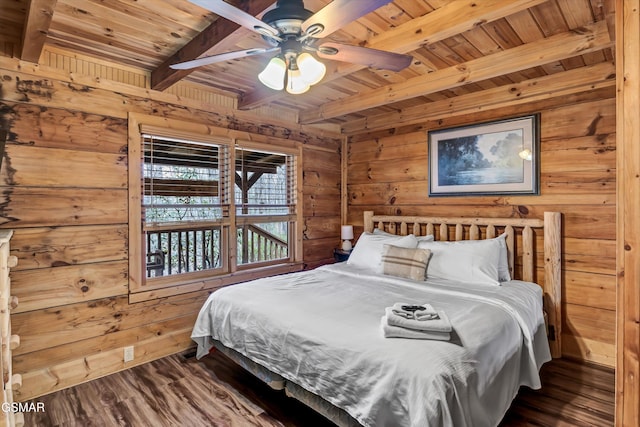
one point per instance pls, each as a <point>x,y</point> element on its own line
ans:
<point>405,262</point>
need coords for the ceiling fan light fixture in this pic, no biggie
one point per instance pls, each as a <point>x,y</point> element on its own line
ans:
<point>273,74</point>
<point>312,70</point>
<point>291,29</point>
<point>296,84</point>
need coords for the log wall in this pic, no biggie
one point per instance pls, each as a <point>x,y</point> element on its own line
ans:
<point>388,172</point>
<point>63,186</point>
<point>64,192</point>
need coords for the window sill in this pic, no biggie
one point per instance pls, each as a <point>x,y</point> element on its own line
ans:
<point>213,282</point>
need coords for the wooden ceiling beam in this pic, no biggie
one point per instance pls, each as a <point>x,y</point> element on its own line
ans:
<point>576,42</point>
<point>451,19</point>
<point>211,39</point>
<point>560,84</point>
<point>36,27</point>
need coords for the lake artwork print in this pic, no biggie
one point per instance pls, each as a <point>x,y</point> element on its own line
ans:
<point>490,158</point>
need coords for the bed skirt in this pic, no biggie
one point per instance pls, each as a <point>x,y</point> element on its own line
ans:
<point>277,382</point>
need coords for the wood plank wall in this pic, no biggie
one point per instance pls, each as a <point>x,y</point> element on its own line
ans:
<point>387,172</point>
<point>64,192</point>
<point>628,244</point>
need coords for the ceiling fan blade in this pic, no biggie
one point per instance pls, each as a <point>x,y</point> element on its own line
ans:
<point>187,65</point>
<point>236,15</point>
<point>339,13</point>
<point>363,55</point>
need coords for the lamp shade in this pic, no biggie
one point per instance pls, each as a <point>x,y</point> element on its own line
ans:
<point>273,74</point>
<point>295,83</point>
<point>346,232</point>
<point>312,70</point>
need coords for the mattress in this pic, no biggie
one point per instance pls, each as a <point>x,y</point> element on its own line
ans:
<point>320,330</point>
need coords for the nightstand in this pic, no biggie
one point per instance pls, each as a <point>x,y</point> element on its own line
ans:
<point>339,255</point>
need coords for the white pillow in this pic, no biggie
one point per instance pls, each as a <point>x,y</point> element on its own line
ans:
<point>467,261</point>
<point>428,237</point>
<point>368,250</point>
<point>503,262</point>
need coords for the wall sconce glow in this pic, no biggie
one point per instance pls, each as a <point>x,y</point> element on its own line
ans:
<point>312,70</point>
<point>525,154</point>
<point>273,74</point>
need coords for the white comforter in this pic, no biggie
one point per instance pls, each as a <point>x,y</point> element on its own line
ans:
<point>321,330</point>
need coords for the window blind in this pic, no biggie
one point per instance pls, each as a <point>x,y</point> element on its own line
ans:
<point>183,180</point>
<point>264,182</point>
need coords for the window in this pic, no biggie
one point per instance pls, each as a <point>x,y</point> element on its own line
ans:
<point>208,209</point>
<point>265,205</point>
<point>182,205</point>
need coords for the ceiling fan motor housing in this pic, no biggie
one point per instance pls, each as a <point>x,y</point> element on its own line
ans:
<point>287,17</point>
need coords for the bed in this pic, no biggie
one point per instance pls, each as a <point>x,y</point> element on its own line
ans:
<point>318,334</point>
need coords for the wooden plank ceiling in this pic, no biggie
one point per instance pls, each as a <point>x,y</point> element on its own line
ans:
<point>465,53</point>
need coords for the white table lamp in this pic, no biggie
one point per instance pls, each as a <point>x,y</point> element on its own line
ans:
<point>346,234</point>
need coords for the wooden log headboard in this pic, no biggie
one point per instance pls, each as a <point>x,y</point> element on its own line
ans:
<point>520,240</point>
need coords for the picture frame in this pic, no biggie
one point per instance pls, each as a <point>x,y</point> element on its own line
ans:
<point>492,158</point>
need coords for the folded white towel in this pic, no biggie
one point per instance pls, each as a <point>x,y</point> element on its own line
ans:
<point>428,314</point>
<point>389,331</point>
<point>425,314</point>
<point>439,324</point>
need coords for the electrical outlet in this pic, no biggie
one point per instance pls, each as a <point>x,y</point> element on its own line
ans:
<point>128,353</point>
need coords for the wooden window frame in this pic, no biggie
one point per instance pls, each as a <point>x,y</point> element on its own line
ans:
<point>139,289</point>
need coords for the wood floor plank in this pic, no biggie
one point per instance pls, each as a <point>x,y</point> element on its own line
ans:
<point>180,391</point>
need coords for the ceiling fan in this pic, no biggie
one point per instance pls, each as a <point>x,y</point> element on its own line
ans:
<point>294,34</point>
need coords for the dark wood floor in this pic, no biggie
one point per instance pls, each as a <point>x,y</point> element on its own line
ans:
<point>180,391</point>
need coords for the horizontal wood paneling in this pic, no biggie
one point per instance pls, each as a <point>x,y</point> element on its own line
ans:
<point>49,287</point>
<point>315,177</point>
<point>388,173</point>
<point>603,142</point>
<point>388,147</point>
<point>322,227</point>
<point>582,159</point>
<point>51,167</point>
<point>45,127</point>
<point>589,289</point>
<point>64,182</point>
<point>587,333</point>
<point>581,119</point>
<point>591,263</point>
<point>411,168</point>
<point>480,116</point>
<point>397,192</point>
<point>320,250</point>
<point>117,101</point>
<point>322,203</point>
<point>41,206</point>
<point>588,349</point>
<point>44,247</point>
<point>589,322</point>
<point>581,182</point>
<point>46,329</point>
<point>41,359</point>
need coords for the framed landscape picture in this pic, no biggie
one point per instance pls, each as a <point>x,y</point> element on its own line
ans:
<point>493,158</point>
